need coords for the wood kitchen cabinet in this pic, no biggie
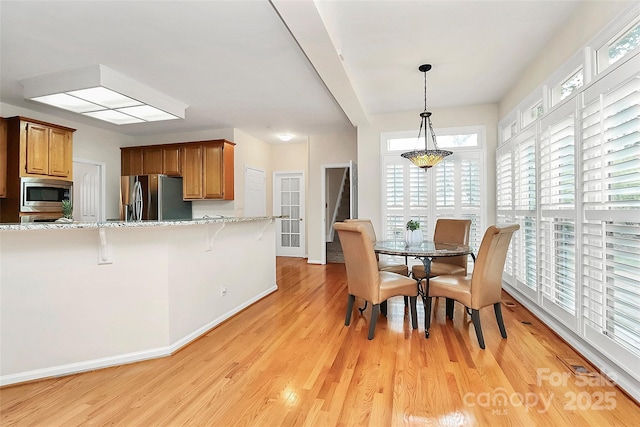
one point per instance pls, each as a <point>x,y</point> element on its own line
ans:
<point>192,171</point>
<point>144,160</point>
<point>152,160</point>
<point>60,153</point>
<point>131,161</point>
<point>171,160</point>
<point>3,158</point>
<point>206,167</point>
<point>208,171</point>
<point>42,149</point>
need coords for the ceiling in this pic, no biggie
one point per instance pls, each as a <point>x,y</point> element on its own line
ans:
<point>268,67</point>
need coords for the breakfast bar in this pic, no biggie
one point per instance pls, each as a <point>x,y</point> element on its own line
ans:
<point>80,296</point>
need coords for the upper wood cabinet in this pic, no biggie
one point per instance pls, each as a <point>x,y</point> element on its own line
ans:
<point>171,160</point>
<point>192,171</point>
<point>206,167</point>
<point>60,153</point>
<point>3,158</point>
<point>131,161</point>
<point>215,181</point>
<point>43,149</point>
<point>151,159</point>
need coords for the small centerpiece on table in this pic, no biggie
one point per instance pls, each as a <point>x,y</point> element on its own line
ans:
<point>413,236</point>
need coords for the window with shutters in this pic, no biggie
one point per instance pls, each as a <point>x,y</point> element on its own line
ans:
<point>611,192</point>
<point>571,178</point>
<point>451,189</point>
<point>557,239</point>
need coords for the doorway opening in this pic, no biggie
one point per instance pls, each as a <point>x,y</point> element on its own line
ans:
<point>340,203</point>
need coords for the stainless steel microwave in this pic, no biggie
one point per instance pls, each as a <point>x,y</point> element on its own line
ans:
<point>44,195</point>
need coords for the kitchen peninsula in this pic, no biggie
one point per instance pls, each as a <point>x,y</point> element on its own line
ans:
<point>80,296</point>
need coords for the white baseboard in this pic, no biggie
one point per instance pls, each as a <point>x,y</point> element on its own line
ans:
<point>215,322</point>
<point>315,261</point>
<point>122,359</point>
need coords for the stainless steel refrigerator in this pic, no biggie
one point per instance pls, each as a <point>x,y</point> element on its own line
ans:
<point>152,197</point>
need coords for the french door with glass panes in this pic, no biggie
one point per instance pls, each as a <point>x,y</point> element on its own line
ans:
<point>288,200</point>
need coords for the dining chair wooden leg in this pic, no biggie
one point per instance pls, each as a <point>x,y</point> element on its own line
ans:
<point>375,313</point>
<point>414,312</point>
<point>450,303</point>
<point>498,309</point>
<point>427,315</point>
<point>475,316</point>
<point>383,308</point>
<point>350,301</point>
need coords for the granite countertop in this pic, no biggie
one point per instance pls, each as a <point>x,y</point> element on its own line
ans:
<point>121,224</point>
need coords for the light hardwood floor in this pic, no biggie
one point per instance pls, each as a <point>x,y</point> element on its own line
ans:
<point>288,360</point>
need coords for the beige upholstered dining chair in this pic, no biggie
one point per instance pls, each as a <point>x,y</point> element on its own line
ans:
<point>383,265</point>
<point>365,281</point>
<point>484,286</point>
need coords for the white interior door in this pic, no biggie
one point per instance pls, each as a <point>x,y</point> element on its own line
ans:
<point>288,199</point>
<point>255,189</point>
<point>87,191</point>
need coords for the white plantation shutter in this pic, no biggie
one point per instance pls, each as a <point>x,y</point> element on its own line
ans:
<point>394,180</point>
<point>470,186</point>
<point>458,184</point>
<point>611,224</point>
<point>394,199</point>
<point>504,199</point>
<point>557,239</point>
<point>524,175</point>
<point>470,205</point>
<point>504,178</point>
<point>418,190</point>
<point>445,186</point>
<point>406,196</point>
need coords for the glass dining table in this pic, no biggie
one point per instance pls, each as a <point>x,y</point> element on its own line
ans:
<point>425,252</point>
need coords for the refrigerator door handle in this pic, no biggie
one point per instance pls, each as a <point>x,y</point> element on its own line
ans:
<point>138,202</point>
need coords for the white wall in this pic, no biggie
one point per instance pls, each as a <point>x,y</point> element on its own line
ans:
<point>324,150</point>
<point>590,17</point>
<point>369,160</point>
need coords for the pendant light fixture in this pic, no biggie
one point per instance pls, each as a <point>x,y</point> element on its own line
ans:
<point>426,158</point>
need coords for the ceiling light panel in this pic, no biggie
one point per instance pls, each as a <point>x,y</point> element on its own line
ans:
<point>104,94</point>
<point>147,113</point>
<point>114,117</point>
<point>68,102</point>
<point>105,97</point>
